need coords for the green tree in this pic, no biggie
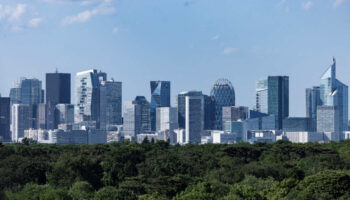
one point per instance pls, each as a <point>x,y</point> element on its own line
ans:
<point>81,190</point>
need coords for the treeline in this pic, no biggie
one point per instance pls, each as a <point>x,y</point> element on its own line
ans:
<point>150,171</point>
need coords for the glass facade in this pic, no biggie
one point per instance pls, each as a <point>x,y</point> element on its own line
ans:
<point>234,113</point>
<point>209,112</point>
<point>261,96</point>
<point>111,103</point>
<point>180,103</point>
<point>313,100</point>
<point>160,97</point>
<point>87,95</point>
<point>328,119</point>
<point>31,92</point>
<point>5,119</point>
<point>194,118</point>
<point>224,95</point>
<point>335,93</point>
<point>297,124</point>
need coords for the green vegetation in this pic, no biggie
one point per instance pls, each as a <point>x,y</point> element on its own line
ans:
<point>159,171</point>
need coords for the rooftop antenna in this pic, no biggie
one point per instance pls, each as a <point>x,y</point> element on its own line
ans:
<point>333,60</point>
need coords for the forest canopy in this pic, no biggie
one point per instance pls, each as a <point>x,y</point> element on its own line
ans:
<point>150,171</point>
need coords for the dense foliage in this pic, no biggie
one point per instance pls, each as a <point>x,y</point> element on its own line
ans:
<point>151,171</point>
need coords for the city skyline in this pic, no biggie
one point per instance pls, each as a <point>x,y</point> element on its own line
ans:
<point>163,40</point>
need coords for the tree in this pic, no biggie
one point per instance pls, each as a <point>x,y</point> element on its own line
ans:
<point>111,193</point>
<point>81,190</point>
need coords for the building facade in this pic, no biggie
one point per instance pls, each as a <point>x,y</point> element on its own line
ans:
<point>224,95</point>
<point>166,118</point>
<point>110,103</point>
<point>194,118</point>
<point>313,100</point>
<point>5,119</point>
<point>20,120</point>
<point>235,113</point>
<point>160,97</point>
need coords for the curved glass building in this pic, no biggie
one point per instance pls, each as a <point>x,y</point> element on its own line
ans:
<point>224,95</point>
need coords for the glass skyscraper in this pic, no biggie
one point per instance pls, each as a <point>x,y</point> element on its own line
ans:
<point>313,100</point>
<point>110,103</point>
<point>334,93</point>
<point>87,95</point>
<point>224,95</point>
<point>272,95</point>
<point>160,97</point>
<point>5,119</point>
<point>31,92</point>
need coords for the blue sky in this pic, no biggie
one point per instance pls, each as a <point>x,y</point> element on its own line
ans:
<point>189,42</point>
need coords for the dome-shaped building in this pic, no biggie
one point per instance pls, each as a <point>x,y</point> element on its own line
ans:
<point>224,95</point>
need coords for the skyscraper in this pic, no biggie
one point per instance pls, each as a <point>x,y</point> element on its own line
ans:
<point>58,88</point>
<point>328,119</point>
<point>160,97</point>
<point>110,103</point>
<point>136,117</point>
<point>224,95</point>
<point>313,100</point>
<point>191,114</point>
<point>5,119</point>
<point>31,92</point>
<point>272,94</point>
<point>234,113</point>
<point>194,118</point>
<point>21,115</point>
<point>87,95</point>
<point>167,119</point>
<point>209,112</point>
<point>180,103</point>
<point>335,93</point>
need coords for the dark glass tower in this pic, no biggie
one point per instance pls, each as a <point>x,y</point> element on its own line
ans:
<point>5,119</point>
<point>313,100</point>
<point>160,97</point>
<point>224,95</point>
<point>278,98</point>
<point>58,88</point>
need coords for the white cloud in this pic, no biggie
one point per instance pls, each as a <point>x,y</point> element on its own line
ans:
<point>34,22</point>
<point>306,5</point>
<point>115,30</point>
<point>338,3</point>
<point>17,12</point>
<point>104,8</point>
<point>216,37</point>
<point>229,50</point>
<point>280,3</point>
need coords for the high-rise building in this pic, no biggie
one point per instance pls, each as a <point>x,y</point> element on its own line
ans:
<point>234,113</point>
<point>194,118</point>
<point>313,100</point>
<point>224,95</point>
<point>5,119</point>
<point>261,103</point>
<point>180,103</point>
<point>21,115</point>
<point>64,114</point>
<point>334,93</point>
<point>31,92</point>
<point>58,91</point>
<point>328,119</point>
<point>41,116</point>
<point>209,112</point>
<point>160,97</point>
<point>277,99</point>
<point>110,103</point>
<point>15,93</point>
<point>136,117</point>
<point>58,88</point>
<point>87,95</point>
<point>167,119</point>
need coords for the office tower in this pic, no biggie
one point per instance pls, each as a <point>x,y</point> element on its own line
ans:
<point>297,124</point>
<point>335,93</point>
<point>234,113</point>
<point>180,103</point>
<point>261,96</point>
<point>15,93</point>
<point>58,88</point>
<point>328,119</point>
<point>110,103</point>
<point>41,116</point>
<point>209,112</point>
<point>31,91</point>
<point>87,95</point>
<point>145,113</point>
<point>58,91</point>
<point>224,95</point>
<point>132,119</point>
<point>64,114</point>
<point>313,100</point>
<point>194,118</point>
<point>166,118</point>
<point>160,97</point>
<point>5,119</point>
<point>277,99</point>
<point>21,115</point>
<point>136,117</point>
